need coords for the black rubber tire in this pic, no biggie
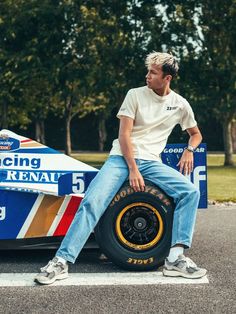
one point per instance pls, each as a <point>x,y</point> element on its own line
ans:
<point>149,216</point>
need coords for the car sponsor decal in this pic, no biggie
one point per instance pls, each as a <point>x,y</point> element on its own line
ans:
<point>171,155</point>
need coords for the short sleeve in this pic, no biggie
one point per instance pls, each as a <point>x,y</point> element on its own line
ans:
<point>129,106</point>
<point>188,119</point>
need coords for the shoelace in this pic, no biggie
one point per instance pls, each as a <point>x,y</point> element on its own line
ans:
<point>190,263</point>
<point>48,267</point>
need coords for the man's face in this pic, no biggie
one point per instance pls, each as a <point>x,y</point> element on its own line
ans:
<point>155,78</point>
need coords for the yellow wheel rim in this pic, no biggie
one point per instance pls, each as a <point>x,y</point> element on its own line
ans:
<point>149,243</point>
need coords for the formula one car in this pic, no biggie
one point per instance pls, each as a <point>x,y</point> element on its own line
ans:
<point>41,189</point>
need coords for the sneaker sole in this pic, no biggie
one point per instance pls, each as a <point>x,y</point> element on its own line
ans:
<point>173,273</point>
<point>48,282</point>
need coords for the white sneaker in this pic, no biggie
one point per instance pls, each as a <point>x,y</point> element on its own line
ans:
<point>53,271</point>
<point>183,267</point>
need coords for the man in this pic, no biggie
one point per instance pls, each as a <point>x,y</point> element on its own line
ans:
<point>147,117</point>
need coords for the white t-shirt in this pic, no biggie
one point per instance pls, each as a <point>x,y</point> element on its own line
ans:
<point>154,118</point>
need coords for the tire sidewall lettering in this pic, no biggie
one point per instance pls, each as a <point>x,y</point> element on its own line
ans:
<point>123,193</point>
<point>149,260</point>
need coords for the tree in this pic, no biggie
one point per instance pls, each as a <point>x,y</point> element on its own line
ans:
<point>29,43</point>
<point>203,37</point>
<point>218,64</point>
<point>11,109</point>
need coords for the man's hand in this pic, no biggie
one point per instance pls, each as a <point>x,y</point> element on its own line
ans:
<point>136,180</point>
<point>186,162</point>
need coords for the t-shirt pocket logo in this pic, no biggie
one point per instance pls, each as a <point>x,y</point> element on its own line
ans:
<point>171,108</point>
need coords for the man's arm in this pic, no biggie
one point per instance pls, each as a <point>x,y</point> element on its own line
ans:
<point>135,178</point>
<point>186,161</point>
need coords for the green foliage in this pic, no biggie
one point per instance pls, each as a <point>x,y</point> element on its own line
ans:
<point>217,61</point>
<point>26,48</point>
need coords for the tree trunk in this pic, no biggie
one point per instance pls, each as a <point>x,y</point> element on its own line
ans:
<point>4,119</point>
<point>40,131</point>
<point>228,143</point>
<point>234,135</point>
<point>67,135</point>
<point>102,133</point>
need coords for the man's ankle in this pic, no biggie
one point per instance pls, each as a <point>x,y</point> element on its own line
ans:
<point>174,253</point>
<point>61,260</point>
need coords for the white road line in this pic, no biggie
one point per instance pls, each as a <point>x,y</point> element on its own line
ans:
<point>100,279</point>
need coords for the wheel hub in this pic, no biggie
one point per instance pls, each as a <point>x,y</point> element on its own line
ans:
<point>139,226</point>
<point>140,223</point>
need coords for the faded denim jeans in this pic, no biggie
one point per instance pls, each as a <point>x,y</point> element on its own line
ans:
<point>107,183</point>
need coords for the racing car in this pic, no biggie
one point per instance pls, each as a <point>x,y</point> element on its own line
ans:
<point>41,190</point>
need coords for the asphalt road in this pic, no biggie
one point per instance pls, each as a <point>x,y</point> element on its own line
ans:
<point>214,247</point>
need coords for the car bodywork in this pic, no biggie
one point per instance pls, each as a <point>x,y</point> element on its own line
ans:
<point>41,189</point>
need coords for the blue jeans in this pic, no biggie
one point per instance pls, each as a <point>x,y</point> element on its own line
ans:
<point>107,183</point>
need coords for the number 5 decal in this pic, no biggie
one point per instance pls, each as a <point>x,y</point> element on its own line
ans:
<point>78,183</point>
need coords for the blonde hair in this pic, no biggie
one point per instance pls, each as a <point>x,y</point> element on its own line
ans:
<point>167,62</point>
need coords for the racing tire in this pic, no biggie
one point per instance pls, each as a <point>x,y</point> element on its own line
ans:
<point>135,230</point>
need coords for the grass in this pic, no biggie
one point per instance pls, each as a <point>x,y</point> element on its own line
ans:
<point>222,183</point>
<point>217,159</point>
<point>221,180</point>
<point>92,159</point>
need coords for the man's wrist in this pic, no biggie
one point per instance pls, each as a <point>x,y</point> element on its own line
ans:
<point>190,148</point>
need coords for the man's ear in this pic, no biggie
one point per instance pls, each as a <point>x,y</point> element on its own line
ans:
<point>168,77</point>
